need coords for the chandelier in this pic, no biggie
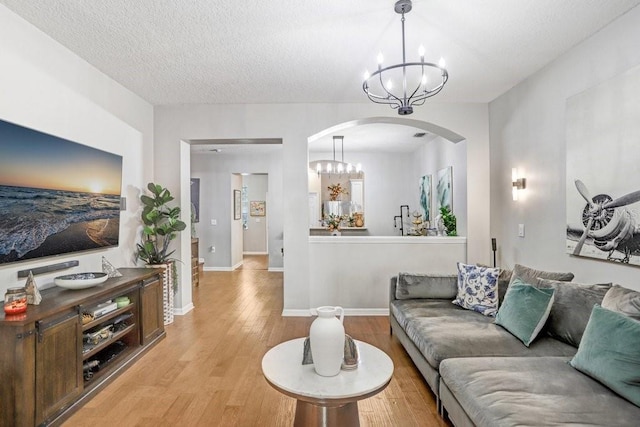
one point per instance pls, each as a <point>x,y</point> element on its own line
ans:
<point>419,80</point>
<point>336,166</point>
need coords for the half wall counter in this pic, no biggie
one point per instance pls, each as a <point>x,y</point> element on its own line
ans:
<point>354,271</point>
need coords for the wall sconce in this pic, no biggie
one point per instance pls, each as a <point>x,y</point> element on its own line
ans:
<point>517,183</point>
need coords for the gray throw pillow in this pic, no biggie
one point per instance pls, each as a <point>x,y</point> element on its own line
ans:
<point>623,301</point>
<point>426,286</point>
<point>571,308</point>
<point>503,284</point>
<point>529,275</point>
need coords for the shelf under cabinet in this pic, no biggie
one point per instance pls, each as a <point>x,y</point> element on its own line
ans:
<point>102,319</point>
<point>104,344</point>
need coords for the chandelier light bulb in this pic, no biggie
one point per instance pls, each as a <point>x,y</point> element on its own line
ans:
<point>389,85</point>
<point>340,168</point>
<point>318,168</point>
<point>366,76</point>
<point>421,52</point>
<point>329,167</point>
<point>380,58</point>
<point>441,63</point>
<point>349,167</point>
<point>358,167</point>
<point>424,80</point>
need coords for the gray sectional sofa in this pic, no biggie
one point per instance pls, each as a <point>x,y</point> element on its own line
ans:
<point>482,375</point>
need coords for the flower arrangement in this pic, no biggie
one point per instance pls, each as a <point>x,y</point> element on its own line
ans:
<point>335,190</point>
<point>333,221</point>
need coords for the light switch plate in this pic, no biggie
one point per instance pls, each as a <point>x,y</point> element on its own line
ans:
<point>520,230</point>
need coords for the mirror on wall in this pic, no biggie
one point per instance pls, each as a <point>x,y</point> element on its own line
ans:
<point>335,196</point>
<point>336,191</point>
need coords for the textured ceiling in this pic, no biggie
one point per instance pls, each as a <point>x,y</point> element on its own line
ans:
<point>222,51</point>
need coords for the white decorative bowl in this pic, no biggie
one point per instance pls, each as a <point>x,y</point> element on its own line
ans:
<point>80,280</point>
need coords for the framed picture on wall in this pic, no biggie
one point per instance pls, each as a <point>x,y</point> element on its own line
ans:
<point>257,208</point>
<point>425,197</point>
<point>195,199</point>
<point>444,189</point>
<point>236,204</point>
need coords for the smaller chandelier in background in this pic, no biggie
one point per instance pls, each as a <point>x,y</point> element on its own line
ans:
<point>336,166</point>
<point>419,80</point>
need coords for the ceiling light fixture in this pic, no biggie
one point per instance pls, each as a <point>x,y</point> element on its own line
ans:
<point>421,74</point>
<point>336,166</point>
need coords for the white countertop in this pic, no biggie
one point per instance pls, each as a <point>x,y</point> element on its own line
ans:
<point>421,240</point>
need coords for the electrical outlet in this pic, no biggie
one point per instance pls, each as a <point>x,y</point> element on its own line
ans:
<point>520,230</point>
<point>212,249</point>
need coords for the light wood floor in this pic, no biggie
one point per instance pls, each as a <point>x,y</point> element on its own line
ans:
<point>207,371</point>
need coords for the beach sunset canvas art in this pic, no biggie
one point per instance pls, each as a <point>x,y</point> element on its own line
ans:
<point>56,196</point>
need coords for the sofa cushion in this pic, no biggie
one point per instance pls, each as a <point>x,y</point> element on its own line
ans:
<point>533,391</point>
<point>529,275</point>
<point>571,308</point>
<point>426,286</point>
<point>610,352</point>
<point>525,311</point>
<point>477,288</point>
<point>403,310</point>
<point>623,300</point>
<point>465,333</point>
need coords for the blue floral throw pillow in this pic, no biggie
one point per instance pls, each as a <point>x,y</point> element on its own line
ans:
<point>478,288</point>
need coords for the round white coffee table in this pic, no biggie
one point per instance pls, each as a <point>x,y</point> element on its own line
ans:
<point>326,401</point>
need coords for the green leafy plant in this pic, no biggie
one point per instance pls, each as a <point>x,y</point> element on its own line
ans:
<point>161,225</point>
<point>449,220</point>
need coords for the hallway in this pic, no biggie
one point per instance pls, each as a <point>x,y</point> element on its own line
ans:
<point>207,370</point>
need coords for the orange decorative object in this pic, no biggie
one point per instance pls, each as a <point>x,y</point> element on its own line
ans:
<point>15,301</point>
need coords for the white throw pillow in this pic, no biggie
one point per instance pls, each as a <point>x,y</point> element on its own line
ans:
<point>478,288</point>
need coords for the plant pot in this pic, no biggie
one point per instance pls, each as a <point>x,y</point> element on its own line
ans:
<point>167,290</point>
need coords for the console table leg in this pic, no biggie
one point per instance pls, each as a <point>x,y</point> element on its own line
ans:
<point>309,415</point>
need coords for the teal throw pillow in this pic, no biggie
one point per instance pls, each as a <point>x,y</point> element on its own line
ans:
<point>525,310</point>
<point>610,352</point>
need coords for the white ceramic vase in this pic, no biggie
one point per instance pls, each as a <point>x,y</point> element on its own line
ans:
<point>327,341</point>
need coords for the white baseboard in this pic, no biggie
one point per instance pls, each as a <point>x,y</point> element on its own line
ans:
<point>295,313</point>
<point>347,312</point>
<point>255,253</point>
<point>183,310</point>
<point>276,269</point>
<point>237,266</point>
<point>217,269</point>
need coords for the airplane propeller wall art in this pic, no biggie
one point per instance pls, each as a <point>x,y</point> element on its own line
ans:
<point>611,227</point>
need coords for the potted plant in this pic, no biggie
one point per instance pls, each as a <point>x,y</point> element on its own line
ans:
<point>161,225</point>
<point>448,220</point>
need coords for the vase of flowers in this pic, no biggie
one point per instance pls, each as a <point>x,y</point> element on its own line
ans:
<point>336,191</point>
<point>333,223</point>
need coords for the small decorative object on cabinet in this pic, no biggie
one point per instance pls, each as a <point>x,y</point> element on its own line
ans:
<point>83,337</point>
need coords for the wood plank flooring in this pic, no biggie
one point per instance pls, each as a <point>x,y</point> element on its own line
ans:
<point>207,371</point>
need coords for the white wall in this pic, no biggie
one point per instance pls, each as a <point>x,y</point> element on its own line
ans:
<point>528,131</point>
<point>428,160</point>
<point>295,123</point>
<point>215,173</point>
<point>254,237</point>
<point>46,87</point>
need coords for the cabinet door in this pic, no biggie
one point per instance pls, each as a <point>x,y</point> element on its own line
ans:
<point>151,309</point>
<point>58,364</point>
